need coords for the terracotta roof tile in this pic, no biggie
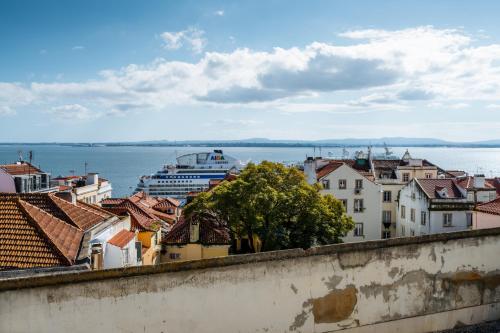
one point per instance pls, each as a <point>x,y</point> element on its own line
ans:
<point>491,207</point>
<point>122,238</point>
<point>212,231</point>
<point>31,237</point>
<point>22,168</point>
<point>65,237</point>
<point>83,217</point>
<point>328,168</point>
<point>431,186</point>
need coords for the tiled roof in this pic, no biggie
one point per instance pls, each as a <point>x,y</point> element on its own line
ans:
<point>495,182</point>
<point>31,237</point>
<point>145,210</point>
<point>83,217</point>
<point>122,238</point>
<point>21,168</point>
<point>212,231</point>
<point>42,201</point>
<point>431,186</point>
<point>468,183</point>
<point>455,173</point>
<point>328,168</point>
<point>491,207</point>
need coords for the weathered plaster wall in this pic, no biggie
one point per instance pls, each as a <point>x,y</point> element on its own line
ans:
<point>414,284</point>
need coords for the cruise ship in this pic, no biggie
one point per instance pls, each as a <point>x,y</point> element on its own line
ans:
<point>191,173</point>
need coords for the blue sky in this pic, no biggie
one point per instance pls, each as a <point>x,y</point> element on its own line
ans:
<point>176,70</point>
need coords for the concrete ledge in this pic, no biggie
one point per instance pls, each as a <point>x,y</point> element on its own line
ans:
<point>58,279</point>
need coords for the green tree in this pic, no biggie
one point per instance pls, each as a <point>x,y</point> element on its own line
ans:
<point>276,203</point>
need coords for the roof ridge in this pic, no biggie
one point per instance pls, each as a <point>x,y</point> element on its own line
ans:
<point>54,241</point>
<point>64,202</point>
<point>100,209</point>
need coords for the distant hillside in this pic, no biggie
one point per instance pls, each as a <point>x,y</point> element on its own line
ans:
<point>263,142</point>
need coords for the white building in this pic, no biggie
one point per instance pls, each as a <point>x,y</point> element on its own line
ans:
<point>351,182</point>
<point>89,188</point>
<point>429,206</point>
<point>27,178</point>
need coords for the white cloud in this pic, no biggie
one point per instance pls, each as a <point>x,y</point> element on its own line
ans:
<point>493,106</point>
<point>6,110</point>
<point>219,12</point>
<point>78,48</point>
<point>72,112</point>
<point>192,37</point>
<point>386,70</point>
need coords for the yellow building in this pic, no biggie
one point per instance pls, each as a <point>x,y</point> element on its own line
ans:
<point>201,236</point>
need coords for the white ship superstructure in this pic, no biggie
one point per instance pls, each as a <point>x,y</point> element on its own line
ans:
<point>192,173</point>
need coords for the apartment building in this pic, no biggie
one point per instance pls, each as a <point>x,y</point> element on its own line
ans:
<point>89,188</point>
<point>25,178</point>
<point>352,182</point>
<point>429,206</point>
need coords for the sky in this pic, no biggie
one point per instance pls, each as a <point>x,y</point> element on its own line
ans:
<point>119,70</point>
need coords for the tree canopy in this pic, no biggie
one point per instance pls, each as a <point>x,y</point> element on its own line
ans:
<point>275,203</point>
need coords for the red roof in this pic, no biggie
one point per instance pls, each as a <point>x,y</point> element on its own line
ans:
<point>30,236</point>
<point>491,207</point>
<point>212,231</point>
<point>468,183</point>
<point>327,169</point>
<point>144,210</point>
<point>20,168</point>
<point>431,186</point>
<point>122,238</point>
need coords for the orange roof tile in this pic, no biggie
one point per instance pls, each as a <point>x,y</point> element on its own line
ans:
<point>31,237</point>
<point>122,238</point>
<point>83,217</point>
<point>490,207</point>
<point>21,168</point>
<point>65,237</point>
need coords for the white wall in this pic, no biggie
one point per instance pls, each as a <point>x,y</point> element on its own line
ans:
<point>400,285</point>
<point>371,194</point>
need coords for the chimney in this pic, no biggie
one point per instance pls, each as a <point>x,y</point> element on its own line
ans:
<point>479,181</point>
<point>92,178</point>
<point>194,231</point>
<point>69,196</point>
<point>96,257</point>
<point>310,170</point>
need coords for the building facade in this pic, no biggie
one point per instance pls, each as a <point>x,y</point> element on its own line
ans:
<point>89,188</point>
<point>27,178</point>
<point>201,236</point>
<point>351,182</point>
<point>430,206</point>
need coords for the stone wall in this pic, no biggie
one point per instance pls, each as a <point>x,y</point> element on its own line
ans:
<point>417,284</point>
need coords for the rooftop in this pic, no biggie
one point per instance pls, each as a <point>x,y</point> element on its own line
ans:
<point>20,168</point>
<point>432,187</point>
<point>490,207</point>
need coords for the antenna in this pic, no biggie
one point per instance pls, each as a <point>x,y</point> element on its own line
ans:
<point>20,154</point>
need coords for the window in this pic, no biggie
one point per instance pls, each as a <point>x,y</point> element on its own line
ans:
<point>359,184</point>
<point>423,218</point>
<point>428,175</point>
<point>406,177</point>
<point>358,230</point>
<point>358,205</point>
<point>386,234</point>
<point>447,219</point>
<point>386,216</point>
<point>387,196</point>
<point>326,184</point>
<point>412,214</point>
<point>403,212</point>
<point>412,232</point>
<point>344,202</point>
<point>469,219</point>
<point>174,256</point>
<point>413,196</point>
<point>125,257</point>
<point>342,184</point>
<point>403,231</point>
